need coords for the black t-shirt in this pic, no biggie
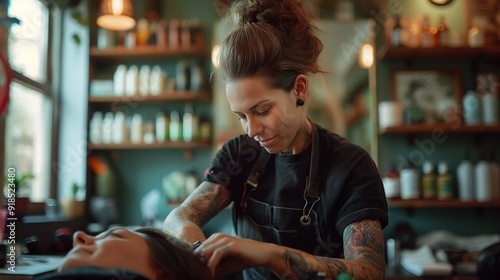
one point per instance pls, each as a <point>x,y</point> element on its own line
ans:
<point>350,185</point>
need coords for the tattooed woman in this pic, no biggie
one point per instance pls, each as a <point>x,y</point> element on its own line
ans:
<point>305,200</point>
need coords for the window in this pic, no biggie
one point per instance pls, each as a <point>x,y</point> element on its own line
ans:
<point>28,125</point>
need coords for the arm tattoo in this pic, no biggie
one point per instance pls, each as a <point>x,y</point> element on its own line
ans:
<point>298,265</point>
<point>205,205</point>
<point>363,241</point>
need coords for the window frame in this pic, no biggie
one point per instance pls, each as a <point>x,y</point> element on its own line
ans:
<point>49,89</point>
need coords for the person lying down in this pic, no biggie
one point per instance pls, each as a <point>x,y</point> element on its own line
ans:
<point>145,253</point>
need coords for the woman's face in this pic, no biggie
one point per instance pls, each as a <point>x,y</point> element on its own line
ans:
<point>115,248</point>
<point>268,115</point>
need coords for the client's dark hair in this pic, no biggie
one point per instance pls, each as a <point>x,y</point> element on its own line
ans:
<point>172,257</point>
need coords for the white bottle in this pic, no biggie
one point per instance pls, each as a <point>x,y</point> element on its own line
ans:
<point>490,103</point>
<point>182,76</point>
<point>144,77</point>
<point>174,129</point>
<point>197,79</point>
<point>107,128</point>
<point>483,180</point>
<point>472,108</point>
<point>495,177</point>
<point>187,123</point>
<point>96,128</point>
<point>410,183</point>
<point>118,128</point>
<point>161,128</point>
<point>136,129</point>
<point>132,81</point>
<point>119,80</point>
<point>157,81</point>
<point>466,180</point>
<point>149,132</point>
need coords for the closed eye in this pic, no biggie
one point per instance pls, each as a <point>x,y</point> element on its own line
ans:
<point>114,233</point>
<point>263,113</point>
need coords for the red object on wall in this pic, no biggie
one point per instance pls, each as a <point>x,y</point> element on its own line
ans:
<point>5,79</point>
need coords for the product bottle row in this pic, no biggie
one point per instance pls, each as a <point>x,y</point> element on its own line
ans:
<point>117,128</point>
<point>145,80</point>
<point>478,181</point>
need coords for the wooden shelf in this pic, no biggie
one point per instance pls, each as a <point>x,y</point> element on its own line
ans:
<point>442,53</point>
<point>420,203</point>
<point>444,128</point>
<point>164,96</point>
<point>165,145</point>
<point>144,52</point>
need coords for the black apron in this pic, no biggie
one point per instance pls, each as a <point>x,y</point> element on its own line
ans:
<point>291,227</point>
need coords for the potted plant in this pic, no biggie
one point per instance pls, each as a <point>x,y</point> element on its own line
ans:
<point>72,207</point>
<point>20,192</point>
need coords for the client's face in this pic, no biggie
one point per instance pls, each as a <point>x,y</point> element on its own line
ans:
<point>115,248</point>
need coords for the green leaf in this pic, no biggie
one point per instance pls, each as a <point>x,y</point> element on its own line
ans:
<point>77,39</point>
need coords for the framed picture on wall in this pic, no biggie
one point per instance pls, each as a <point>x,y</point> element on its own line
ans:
<point>433,96</point>
<point>485,15</point>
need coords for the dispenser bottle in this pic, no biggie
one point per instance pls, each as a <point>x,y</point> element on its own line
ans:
<point>157,81</point>
<point>472,108</point>
<point>483,179</point>
<point>96,128</point>
<point>397,33</point>
<point>161,127</point>
<point>119,80</point>
<point>465,177</point>
<point>107,128</point>
<point>444,182</point>
<point>490,102</point>
<point>428,181</point>
<point>132,81</point>
<point>391,182</point>
<point>174,127</point>
<point>136,129</point>
<point>144,77</point>
<point>410,185</point>
<point>118,128</point>
<point>187,123</point>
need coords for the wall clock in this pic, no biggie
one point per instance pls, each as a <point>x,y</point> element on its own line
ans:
<point>441,2</point>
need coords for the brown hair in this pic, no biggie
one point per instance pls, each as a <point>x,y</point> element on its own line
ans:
<point>273,39</point>
<point>172,257</point>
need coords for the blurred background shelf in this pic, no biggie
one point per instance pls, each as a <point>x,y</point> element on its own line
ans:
<point>421,203</point>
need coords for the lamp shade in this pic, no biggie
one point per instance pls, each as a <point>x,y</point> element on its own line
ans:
<point>116,15</point>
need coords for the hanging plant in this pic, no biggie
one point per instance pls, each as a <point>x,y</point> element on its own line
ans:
<point>76,13</point>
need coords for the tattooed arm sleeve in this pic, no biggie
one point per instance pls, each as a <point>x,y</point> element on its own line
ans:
<point>186,221</point>
<point>363,252</point>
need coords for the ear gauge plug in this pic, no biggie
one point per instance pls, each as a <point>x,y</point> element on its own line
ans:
<point>300,102</point>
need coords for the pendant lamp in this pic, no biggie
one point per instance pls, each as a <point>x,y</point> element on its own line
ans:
<point>116,15</point>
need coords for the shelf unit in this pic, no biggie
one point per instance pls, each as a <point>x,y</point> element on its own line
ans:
<point>162,97</point>
<point>441,53</point>
<point>145,53</point>
<point>164,145</point>
<point>421,203</point>
<point>450,129</point>
<point>474,56</point>
<point>101,66</point>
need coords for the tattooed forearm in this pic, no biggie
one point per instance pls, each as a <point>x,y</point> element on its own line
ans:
<point>364,241</point>
<point>298,265</point>
<point>203,205</point>
<point>334,266</point>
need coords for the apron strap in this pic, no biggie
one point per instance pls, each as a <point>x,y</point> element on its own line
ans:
<point>254,177</point>
<point>311,192</point>
<point>313,180</point>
